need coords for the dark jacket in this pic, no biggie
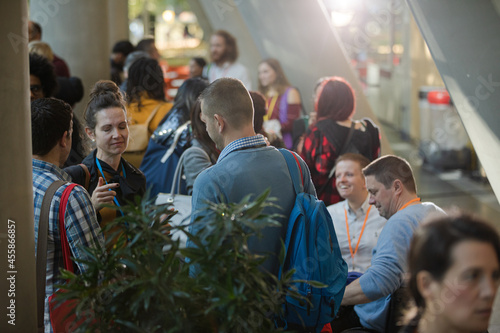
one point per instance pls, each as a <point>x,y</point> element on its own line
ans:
<point>133,184</point>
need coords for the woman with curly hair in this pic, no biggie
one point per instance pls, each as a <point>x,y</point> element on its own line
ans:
<point>146,103</point>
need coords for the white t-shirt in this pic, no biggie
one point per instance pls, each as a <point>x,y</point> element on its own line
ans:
<point>228,69</point>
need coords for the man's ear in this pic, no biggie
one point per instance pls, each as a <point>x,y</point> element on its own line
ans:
<point>220,122</point>
<point>90,133</point>
<point>63,141</point>
<point>397,185</point>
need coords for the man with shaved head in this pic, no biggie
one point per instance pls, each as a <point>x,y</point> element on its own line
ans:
<point>246,165</point>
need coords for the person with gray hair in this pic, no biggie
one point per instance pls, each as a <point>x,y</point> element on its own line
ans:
<point>246,165</point>
<point>131,58</point>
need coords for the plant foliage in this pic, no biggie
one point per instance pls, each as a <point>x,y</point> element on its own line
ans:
<point>143,283</point>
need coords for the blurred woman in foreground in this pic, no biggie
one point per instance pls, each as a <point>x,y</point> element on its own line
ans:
<point>454,262</point>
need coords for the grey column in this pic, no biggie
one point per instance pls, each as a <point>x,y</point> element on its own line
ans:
<point>17,286</point>
<point>77,31</point>
<point>118,21</point>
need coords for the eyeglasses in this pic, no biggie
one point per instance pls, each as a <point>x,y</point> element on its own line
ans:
<point>36,88</point>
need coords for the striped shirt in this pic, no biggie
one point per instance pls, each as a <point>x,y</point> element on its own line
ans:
<point>247,142</point>
<point>82,228</point>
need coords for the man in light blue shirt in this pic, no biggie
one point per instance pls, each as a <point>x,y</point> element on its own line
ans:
<point>392,188</point>
<point>357,224</point>
<point>246,165</point>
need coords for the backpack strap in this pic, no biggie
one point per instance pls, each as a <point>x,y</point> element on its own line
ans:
<point>176,184</point>
<point>177,135</point>
<point>41,249</point>
<point>87,175</point>
<point>151,116</point>
<point>294,169</point>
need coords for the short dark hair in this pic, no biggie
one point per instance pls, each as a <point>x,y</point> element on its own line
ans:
<point>44,71</point>
<point>146,45</point>
<point>124,46</point>
<point>387,169</point>
<point>37,28</point>
<point>231,53</point>
<point>259,107</point>
<point>145,75</point>
<point>50,118</point>
<point>229,98</point>
<point>200,61</point>
<point>105,94</point>
<point>434,241</point>
<point>358,158</point>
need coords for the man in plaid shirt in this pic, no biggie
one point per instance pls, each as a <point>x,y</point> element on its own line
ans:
<point>51,121</point>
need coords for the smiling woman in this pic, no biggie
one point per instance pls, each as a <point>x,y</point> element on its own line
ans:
<point>113,181</point>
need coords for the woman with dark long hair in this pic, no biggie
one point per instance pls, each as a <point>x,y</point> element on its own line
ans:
<point>202,153</point>
<point>171,138</point>
<point>324,141</point>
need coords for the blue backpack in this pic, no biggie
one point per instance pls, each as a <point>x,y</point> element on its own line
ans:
<point>312,250</point>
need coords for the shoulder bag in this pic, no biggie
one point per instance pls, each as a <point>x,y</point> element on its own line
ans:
<point>62,316</point>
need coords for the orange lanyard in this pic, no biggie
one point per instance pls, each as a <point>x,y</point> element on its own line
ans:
<point>360,235</point>
<point>270,107</point>
<point>409,202</point>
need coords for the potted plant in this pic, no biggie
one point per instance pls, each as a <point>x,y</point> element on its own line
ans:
<point>143,283</point>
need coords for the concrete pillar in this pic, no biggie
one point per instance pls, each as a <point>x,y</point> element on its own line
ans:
<point>118,21</point>
<point>16,193</point>
<point>77,31</point>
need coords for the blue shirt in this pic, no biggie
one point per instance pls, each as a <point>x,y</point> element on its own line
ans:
<point>389,263</point>
<point>244,169</point>
<point>82,228</point>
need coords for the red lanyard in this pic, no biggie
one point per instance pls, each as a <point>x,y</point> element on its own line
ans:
<point>360,235</point>
<point>409,202</point>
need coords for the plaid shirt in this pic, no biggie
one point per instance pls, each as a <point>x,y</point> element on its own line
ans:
<point>82,228</point>
<point>320,156</point>
<point>247,142</point>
